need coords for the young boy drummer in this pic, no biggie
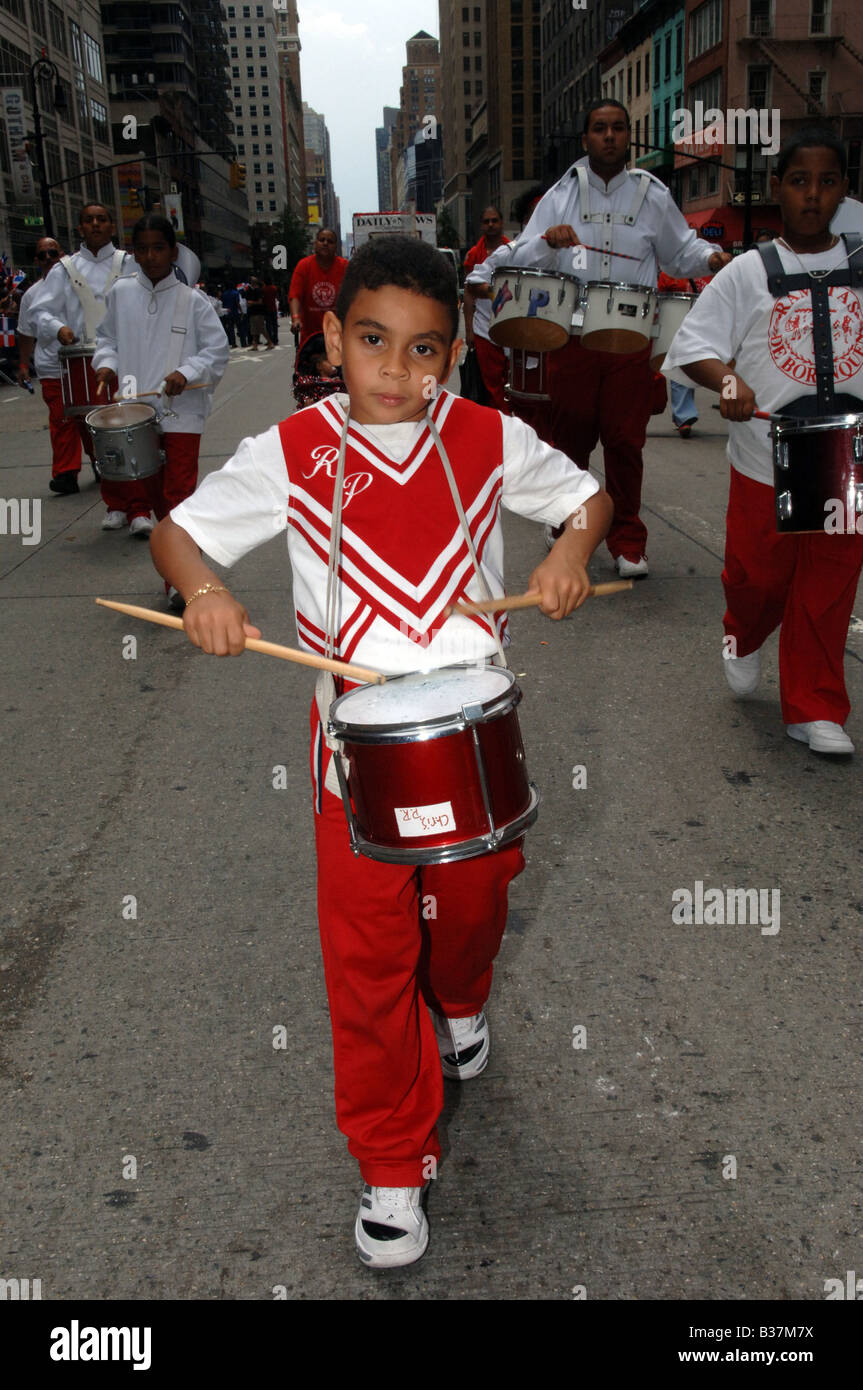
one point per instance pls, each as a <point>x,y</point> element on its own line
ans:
<point>404,557</point>
<point>156,329</point>
<point>760,311</point>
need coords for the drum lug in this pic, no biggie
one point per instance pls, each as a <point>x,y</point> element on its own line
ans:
<point>782,454</point>
<point>471,714</point>
<point>609,304</point>
<point>493,833</point>
<point>346,802</point>
<point>784,506</point>
<point>857,447</point>
<point>858,500</point>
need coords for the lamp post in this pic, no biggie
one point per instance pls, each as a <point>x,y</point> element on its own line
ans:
<point>43,67</point>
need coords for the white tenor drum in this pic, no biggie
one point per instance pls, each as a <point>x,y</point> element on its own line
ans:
<point>532,309</point>
<point>671,310</point>
<point>617,317</point>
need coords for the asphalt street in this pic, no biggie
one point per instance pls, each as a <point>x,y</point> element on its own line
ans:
<point>671,1110</point>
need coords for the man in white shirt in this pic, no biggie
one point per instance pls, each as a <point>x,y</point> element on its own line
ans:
<point>601,203</point>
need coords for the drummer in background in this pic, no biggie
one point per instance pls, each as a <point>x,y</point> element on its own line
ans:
<point>65,312</point>
<point>156,329</point>
<point>66,431</point>
<point>806,582</point>
<point>683,409</point>
<point>589,389</point>
<point>477,312</point>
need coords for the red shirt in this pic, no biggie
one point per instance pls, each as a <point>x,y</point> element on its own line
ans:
<point>316,289</point>
<point>271,299</point>
<point>479,253</point>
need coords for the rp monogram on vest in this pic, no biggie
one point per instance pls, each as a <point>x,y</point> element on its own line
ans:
<point>325,457</point>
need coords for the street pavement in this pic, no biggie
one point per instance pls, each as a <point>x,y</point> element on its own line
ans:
<point>671,1110</point>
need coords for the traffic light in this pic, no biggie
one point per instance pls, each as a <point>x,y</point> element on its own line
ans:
<point>238,175</point>
<point>134,199</point>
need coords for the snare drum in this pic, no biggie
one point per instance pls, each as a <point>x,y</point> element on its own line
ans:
<point>126,441</point>
<point>818,472</point>
<point>78,381</point>
<point>671,310</point>
<point>532,309</point>
<point>526,376</point>
<point>436,765</point>
<point>617,317</point>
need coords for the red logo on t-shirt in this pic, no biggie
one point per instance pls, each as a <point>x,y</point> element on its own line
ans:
<point>323,294</point>
<point>790,334</point>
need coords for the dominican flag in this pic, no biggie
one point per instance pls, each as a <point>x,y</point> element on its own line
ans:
<point>7,333</point>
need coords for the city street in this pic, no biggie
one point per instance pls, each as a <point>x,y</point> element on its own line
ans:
<point>671,1110</point>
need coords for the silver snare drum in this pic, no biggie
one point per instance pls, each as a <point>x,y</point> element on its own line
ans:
<point>126,441</point>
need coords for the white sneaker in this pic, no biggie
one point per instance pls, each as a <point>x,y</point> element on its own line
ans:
<point>114,521</point>
<point>463,1044</point>
<point>391,1227</point>
<point>822,736</point>
<point>742,672</point>
<point>630,569</point>
<point>141,526</point>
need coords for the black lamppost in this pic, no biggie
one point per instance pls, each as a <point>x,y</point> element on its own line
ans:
<point>43,67</point>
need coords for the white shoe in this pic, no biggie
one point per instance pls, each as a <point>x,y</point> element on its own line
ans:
<point>391,1227</point>
<point>114,521</point>
<point>822,736</point>
<point>742,672</point>
<point>630,569</point>
<point>141,526</point>
<point>463,1044</point>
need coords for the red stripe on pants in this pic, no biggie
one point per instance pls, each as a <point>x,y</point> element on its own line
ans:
<point>67,433</point>
<point>805,582</point>
<point>493,367</point>
<point>163,490</point>
<point>383,962</point>
<point>606,396</point>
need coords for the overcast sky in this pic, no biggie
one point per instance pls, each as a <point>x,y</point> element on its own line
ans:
<point>351,63</point>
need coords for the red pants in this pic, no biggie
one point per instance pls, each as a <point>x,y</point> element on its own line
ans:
<point>805,582</point>
<point>163,490</point>
<point>493,367</point>
<point>383,963</point>
<point>68,433</point>
<point>606,396</point>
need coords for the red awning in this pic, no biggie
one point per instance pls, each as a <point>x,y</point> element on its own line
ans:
<point>724,225</point>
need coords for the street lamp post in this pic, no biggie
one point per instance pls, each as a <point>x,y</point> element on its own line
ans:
<point>43,67</point>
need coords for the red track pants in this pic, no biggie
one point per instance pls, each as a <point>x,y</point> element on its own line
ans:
<point>805,582</point>
<point>165,489</point>
<point>493,368</point>
<point>395,938</point>
<point>68,433</point>
<point>606,396</point>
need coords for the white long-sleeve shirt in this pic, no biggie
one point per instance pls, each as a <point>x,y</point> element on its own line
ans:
<point>660,235</point>
<point>134,340</point>
<point>771,342</point>
<point>57,305</point>
<point>46,349</point>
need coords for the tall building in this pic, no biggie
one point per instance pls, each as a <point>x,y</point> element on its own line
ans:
<point>572,41</point>
<point>76,133</point>
<point>257,99</point>
<point>643,67</point>
<point>320,194</point>
<point>419,105</point>
<point>463,78</point>
<point>382,148</point>
<point>504,158</point>
<point>288,44</point>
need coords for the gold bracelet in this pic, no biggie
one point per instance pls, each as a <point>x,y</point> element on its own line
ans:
<point>207,589</point>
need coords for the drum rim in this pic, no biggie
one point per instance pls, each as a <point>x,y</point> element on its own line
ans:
<point>619,285</point>
<point>794,424</point>
<point>424,730</point>
<point>76,350</point>
<point>463,849</point>
<point>675,294</point>
<point>532,270</point>
<point>112,405</point>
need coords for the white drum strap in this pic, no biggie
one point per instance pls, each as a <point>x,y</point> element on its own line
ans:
<point>117,262</point>
<point>444,457</point>
<point>93,308</point>
<point>607,220</point>
<point>325,686</point>
<point>179,328</point>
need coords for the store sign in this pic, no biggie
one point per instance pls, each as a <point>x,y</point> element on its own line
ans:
<point>23,181</point>
<point>713,231</point>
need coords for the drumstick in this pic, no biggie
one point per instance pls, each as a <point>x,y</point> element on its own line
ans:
<point>758,414</point>
<point>506,601</point>
<point>254,644</point>
<point>624,255</point>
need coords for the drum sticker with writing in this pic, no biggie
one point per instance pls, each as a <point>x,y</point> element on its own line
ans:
<point>503,296</point>
<point>790,335</point>
<point>424,820</point>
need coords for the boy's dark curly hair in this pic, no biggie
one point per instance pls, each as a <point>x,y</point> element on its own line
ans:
<point>405,262</point>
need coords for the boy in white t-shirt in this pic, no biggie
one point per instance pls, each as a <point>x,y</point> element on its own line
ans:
<point>406,995</point>
<point>806,581</point>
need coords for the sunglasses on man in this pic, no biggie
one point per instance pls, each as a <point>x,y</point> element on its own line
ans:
<point>47,255</point>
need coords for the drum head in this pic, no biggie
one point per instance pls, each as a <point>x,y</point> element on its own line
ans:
<point>122,415</point>
<point>422,696</point>
<point>535,335</point>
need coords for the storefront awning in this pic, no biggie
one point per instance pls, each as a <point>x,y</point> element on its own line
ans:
<point>724,225</point>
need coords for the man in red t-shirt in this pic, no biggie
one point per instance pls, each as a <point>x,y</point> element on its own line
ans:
<point>477,313</point>
<point>315,284</point>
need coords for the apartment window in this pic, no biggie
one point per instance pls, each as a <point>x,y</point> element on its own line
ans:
<point>637,138</point>
<point>253,110</point>
<point>235,53</point>
<point>476,14</point>
<point>265,111</point>
<point>247,31</point>
<point>757,87</point>
<point>271,168</point>
<point>667,56</point>
<point>465,14</point>
<point>250,72</point>
<point>708,91</point>
<point>246,12</point>
<point>628,82</point>
<point>271,188</point>
<point>465,40</point>
<point>265,91</point>
<point>268,149</point>
<point>251,92</point>
<point>678,48</point>
<point>249,51</point>
<point>74,35</point>
<point>259,188</point>
<point>272,205</point>
<point>259,11</point>
<point>57,27</point>
<point>238,110</point>
<point>231,12</point>
<point>694,181</point>
<point>256,168</point>
<point>99,115</point>
<point>262,51</point>
<point>465,64</point>
<point>232,31</point>
<point>261,31</point>
<point>638,78</point>
<point>259,207</point>
<point>647,72</point>
<point>254,129</point>
<point>467,89</point>
<point>705,27</point>
<point>238,92</point>
<point>235,72</point>
<point>817,86</point>
<point>712,178</point>
<point>263,71</point>
<point>467,110</point>
<point>256,149</point>
<point>647,131</point>
<point>477,64</point>
<point>240,132</point>
<point>268,130</point>
<point>760,17</point>
<point>819,17</point>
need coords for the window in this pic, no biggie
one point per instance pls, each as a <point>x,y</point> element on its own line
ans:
<point>271,188</point>
<point>251,92</point>
<point>249,53</point>
<point>265,91</point>
<point>259,207</point>
<point>467,89</point>
<point>760,18</point>
<point>647,72</point>
<point>667,56</point>
<point>235,53</point>
<point>81,103</point>
<point>262,50</point>
<point>817,88</point>
<point>57,29</point>
<point>75,37</point>
<point>261,31</point>
<point>712,178</point>
<point>708,91</point>
<point>268,130</point>
<point>93,58</point>
<point>819,17</point>
<point>99,115</point>
<point>694,181</point>
<point>232,31</point>
<point>238,92</point>
<point>235,72</point>
<point>272,205</point>
<point>757,87</point>
<point>256,168</point>
<point>247,31</point>
<point>238,110</point>
<point>266,111</point>
<point>254,129</point>
<point>240,132</point>
<point>271,168</point>
<point>705,27</point>
<point>268,149</point>
<point>253,110</point>
<point>256,149</point>
<point>638,78</point>
<point>259,188</point>
<point>637,138</point>
<point>628,82</point>
<point>250,72</point>
<point>678,48</point>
